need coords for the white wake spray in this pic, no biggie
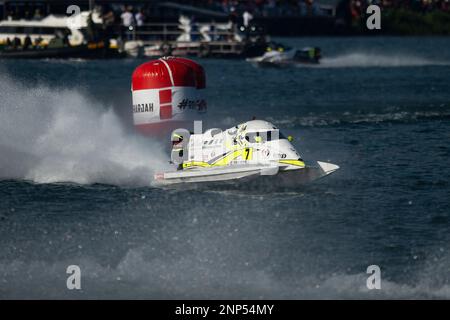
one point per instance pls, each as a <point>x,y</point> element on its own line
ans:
<point>366,60</point>
<point>51,135</point>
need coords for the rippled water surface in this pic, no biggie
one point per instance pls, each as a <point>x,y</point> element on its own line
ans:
<point>75,181</point>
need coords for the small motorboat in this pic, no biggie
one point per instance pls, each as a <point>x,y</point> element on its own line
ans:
<point>251,152</point>
<point>277,55</point>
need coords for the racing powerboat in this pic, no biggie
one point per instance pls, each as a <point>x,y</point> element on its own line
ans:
<point>254,152</point>
<point>277,55</point>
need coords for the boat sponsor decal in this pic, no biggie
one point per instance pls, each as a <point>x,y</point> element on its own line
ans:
<point>222,160</point>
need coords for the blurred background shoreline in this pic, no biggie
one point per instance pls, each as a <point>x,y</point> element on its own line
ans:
<point>76,180</point>
<point>277,17</point>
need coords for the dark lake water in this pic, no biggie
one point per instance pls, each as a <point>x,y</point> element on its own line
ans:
<point>75,181</point>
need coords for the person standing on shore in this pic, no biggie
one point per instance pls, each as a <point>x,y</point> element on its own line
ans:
<point>127,22</point>
<point>247,17</point>
<point>140,18</point>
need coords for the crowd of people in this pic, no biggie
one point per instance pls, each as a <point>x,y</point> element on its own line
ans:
<point>358,7</point>
<point>244,10</point>
<point>263,8</point>
<point>415,5</point>
<point>27,14</point>
<point>238,11</point>
<point>258,8</point>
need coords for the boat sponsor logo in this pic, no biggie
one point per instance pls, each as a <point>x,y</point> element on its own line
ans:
<point>143,107</point>
<point>159,176</point>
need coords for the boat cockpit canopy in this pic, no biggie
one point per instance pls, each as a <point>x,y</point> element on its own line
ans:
<point>264,136</point>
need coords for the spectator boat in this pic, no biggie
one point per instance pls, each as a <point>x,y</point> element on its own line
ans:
<point>46,29</point>
<point>55,37</point>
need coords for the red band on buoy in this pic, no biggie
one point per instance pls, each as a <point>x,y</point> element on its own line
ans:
<point>167,89</point>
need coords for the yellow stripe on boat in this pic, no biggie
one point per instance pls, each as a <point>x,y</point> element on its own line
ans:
<point>195,164</point>
<point>246,154</point>
<point>293,162</point>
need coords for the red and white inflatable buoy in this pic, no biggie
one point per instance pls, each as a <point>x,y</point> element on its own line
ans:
<point>167,94</point>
